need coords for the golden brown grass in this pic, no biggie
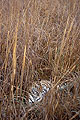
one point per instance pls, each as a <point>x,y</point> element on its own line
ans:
<point>39,40</point>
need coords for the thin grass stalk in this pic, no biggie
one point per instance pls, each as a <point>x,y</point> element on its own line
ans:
<point>50,55</point>
<point>63,41</point>
<point>7,52</point>
<point>22,72</point>
<point>14,59</point>
<point>74,116</point>
<point>71,25</point>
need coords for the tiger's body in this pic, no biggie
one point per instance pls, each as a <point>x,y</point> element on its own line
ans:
<point>38,90</point>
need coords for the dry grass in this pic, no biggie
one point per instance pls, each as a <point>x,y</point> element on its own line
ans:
<point>39,40</point>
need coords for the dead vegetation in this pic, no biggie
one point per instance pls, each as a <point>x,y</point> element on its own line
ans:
<point>39,39</point>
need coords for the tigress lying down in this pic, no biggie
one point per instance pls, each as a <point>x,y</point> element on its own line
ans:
<point>39,90</point>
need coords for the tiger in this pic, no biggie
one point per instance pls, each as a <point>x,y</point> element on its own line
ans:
<point>38,91</point>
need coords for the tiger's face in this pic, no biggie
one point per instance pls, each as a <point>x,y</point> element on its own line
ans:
<point>38,91</point>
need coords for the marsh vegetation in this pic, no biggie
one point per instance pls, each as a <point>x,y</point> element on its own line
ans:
<point>40,40</point>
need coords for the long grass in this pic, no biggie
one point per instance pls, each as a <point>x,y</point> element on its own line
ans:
<point>39,40</point>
